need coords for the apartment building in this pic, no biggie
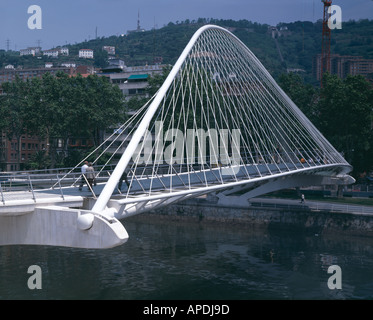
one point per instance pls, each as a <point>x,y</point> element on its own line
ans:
<point>14,155</point>
<point>109,49</point>
<point>8,75</point>
<point>52,53</point>
<point>359,66</point>
<point>344,65</point>
<point>86,53</point>
<point>33,51</point>
<point>131,80</point>
<point>63,51</point>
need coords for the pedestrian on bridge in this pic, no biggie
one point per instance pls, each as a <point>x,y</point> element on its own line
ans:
<point>123,178</point>
<point>302,199</point>
<point>83,169</point>
<point>90,174</point>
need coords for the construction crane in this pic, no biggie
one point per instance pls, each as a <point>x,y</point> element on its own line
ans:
<point>325,46</point>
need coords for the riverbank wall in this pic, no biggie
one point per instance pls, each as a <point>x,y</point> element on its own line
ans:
<point>293,218</point>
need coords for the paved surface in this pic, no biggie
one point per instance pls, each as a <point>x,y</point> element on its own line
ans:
<point>312,205</point>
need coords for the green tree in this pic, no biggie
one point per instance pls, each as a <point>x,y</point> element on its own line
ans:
<point>3,113</point>
<point>305,96</point>
<point>46,111</point>
<point>103,106</point>
<point>101,59</point>
<point>345,118</point>
<point>39,160</point>
<point>62,108</point>
<point>15,111</point>
<point>156,81</point>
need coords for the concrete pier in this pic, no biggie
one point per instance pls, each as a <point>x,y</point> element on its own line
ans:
<point>58,226</point>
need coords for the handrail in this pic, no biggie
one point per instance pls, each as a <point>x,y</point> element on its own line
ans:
<point>59,183</point>
<point>2,195</point>
<point>32,189</point>
<point>89,186</point>
<point>24,181</point>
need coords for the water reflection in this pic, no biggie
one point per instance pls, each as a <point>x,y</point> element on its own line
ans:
<point>194,261</point>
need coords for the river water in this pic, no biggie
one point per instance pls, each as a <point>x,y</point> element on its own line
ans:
<point>193,261</point>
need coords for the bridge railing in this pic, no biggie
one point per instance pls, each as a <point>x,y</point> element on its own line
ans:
<point>28,184</point>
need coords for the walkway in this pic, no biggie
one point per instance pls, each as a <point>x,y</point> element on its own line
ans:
<point>311,205</point>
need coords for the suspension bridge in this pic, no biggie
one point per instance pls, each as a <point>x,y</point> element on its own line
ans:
<point>219,124</point>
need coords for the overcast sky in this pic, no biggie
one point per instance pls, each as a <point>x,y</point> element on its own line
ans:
<point>70,21</point>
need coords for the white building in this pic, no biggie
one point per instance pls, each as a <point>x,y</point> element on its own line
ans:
<point>68,64</point>
<point>109,49</point>
<point>27,52</point>
<point>30,51</point>
<point>86,53</point>
<point>63,51</point>
<point>36,49</point>
<point>116,64</point>
<point>51,53</point>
